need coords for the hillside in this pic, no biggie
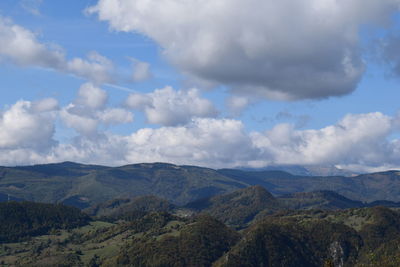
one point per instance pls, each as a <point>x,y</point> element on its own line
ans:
<point>351,237</point>
<point>20,220</point>
<point>240,208</point>
<point>119,207</point>
<point>364,187</point>
<point>247,227</point>
<point>314,170</point>
<point>86,185</point>
<point>354,237</point>
<point>237,208</point>
<point>321,200</point>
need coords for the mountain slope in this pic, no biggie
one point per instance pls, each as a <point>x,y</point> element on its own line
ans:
<point>123,206</point>
<point>365,187</point>
<point>20,220</point>
<point>239,207</point>
<point>319,200</point>
<point>85,185</point>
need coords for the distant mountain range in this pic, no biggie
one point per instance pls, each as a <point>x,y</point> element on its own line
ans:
<point>87,185</point>
<point>312,170</point>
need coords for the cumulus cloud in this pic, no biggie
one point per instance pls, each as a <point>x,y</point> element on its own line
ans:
<point>275,49</point>
<point>91,96</point>
<point>96,68</point>
<point>112,116</point>
<point>28,125</point>
<point>208,142</point>
<point>170,107</point>
<point>141,70</point>
<point>356,138</point>
<point>362,142</point>
<point>236,104</point>
<point>21,46</point>
<point>360,139</point>
<point>89,110</point>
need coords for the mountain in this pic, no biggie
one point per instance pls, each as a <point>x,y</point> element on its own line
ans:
<point>364,187</point>
<point>20,220</point>
<point>310,170</point>
<point>237,208</point>
<point>351,237</point>
<point>295,242</point>
<point>323,199</point>
<point>122,206</point>
<point>198,243</point>
<point>244,206</point>
<point>83,186</point>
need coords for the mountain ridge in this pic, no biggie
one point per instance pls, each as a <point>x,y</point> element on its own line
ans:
<point>84,185</point>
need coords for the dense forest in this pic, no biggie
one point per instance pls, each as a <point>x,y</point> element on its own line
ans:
<point>85,186</point>
<point>249,227</point>
<point>23,219</point>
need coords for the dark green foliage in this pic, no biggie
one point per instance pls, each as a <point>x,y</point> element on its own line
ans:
<point>23,219</point>
<point>290,242</point>
<point>94,262</point>
<point>318,200</point>
<point>198,244</point>
<point>238,208</point>
<point>151,221</point>
<point>385,227</point>
<point>386,255</point>
<point>382,238</point>
<point>352,237</point>
<point>365,187</point>
<point>86,185</point>
<point>130,208</point>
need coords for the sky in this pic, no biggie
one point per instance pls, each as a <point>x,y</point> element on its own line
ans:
<point>226,83</point>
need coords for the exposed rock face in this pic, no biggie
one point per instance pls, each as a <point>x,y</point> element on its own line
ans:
<point>337,253</point>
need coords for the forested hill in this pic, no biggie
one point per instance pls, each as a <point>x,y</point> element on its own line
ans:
<point>312,238</point>
<point>24,219</point>
<point>86,185</point>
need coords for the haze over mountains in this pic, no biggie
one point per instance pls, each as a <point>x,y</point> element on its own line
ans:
<point>85,185</point>
<point>314,170</point>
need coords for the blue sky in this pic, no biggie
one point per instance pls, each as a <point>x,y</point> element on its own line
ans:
<point>221,84</point>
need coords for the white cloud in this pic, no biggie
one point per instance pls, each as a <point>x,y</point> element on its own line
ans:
<point>356,138</point>
<point>28,125</point>
<point>275,49</point>
<point>359,142</point>
<point>32,6</point>
<point>89,110</point>
<point>96,68</point>
<point>79,119</point>
<point>362,142</point>
<point>20,46</point>
<point>112,116</point>
<point>236,104</point>
<point>91,96</point>
<point>208,142</point>
<point>141,70</point>
<point>46,104</point>
<point>170,107</point>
